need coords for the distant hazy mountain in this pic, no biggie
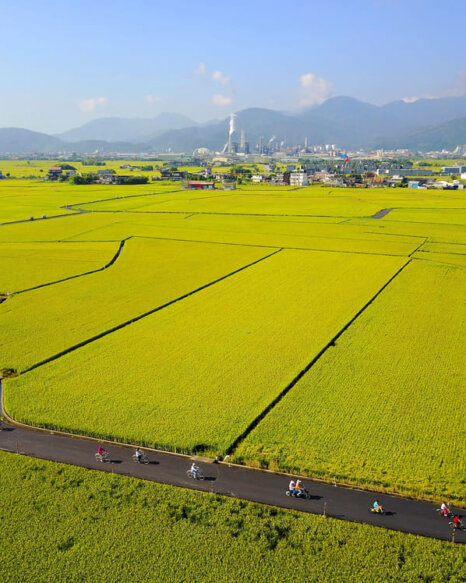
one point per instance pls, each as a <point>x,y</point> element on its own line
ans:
<point>21,141</point>
<point>445,135</point>
<point>424,112</point>
<point>349,123</point>
<point>117,129</point>
<point>89,146</point>
<point>344,121</point>
<point>255,121</point>
<point>13,140</point>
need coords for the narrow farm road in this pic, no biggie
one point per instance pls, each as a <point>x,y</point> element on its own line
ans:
<point>381,214</point>
<point>260,486</point>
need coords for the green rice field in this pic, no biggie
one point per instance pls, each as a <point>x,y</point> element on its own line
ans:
<point>71,524</point>
<point>337,335</point>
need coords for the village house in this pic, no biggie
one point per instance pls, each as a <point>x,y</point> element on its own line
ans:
<point>195,185</point>
<point>54,173</point>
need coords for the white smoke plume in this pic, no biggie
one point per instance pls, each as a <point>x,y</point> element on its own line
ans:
<point>232,124</point>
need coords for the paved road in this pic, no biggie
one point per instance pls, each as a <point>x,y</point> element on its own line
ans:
<point>249,484</point>
<point>381,214</point>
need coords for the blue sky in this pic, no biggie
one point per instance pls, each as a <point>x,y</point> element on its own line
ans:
<point>65,63</point>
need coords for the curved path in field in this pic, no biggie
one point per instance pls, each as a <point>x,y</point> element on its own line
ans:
<point>345,503</point>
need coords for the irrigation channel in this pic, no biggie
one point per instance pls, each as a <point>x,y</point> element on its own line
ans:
<point>264,487</point>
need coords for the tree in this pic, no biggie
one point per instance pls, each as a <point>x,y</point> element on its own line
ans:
<point>65,166</point>
<point>84,178</point>
<point>135,180</point>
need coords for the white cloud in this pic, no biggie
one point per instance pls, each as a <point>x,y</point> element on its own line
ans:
<point>456,89</point>
<point>221,100</point>
<point>410,99</point>
<point>217,77</point>
<point>313,89</point>
<point>91,103</point>
<point>153,98</point>
<point>201,70</point>
<point>221,78</point>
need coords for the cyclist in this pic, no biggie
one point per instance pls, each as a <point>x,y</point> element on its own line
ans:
<point>196,470</point>
<point>444,509</point>
<point>138,453</point>
<point>291,486</point>
<point>101,451</point>
<point>376,507</point>
<point>457,522</point>
<point>298,489</point>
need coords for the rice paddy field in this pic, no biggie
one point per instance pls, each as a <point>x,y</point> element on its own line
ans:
<point>28,265</point>
<point>386,398</point>
<point>229,345</point>
<point>70,524</point>
<point>295,331</point>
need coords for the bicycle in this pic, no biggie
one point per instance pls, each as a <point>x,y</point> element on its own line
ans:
<point>102,457</point>
<point>142,459</point>
<point>449,513</point>
<point>195,475</point>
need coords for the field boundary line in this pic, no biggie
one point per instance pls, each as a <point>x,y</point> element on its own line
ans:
<point>77,204</point>
<point>34,220</point>
<point>438,261</point>
<point>144,315</point>
<point>441,252</point>
<point>255,422</point>
<point>282,247</point>
<point>396,234</point>
<point>106,266</point>
<point>418,247</point>
<point>190,212</point>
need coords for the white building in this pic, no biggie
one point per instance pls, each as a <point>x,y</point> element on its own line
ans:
<point>299,178</point>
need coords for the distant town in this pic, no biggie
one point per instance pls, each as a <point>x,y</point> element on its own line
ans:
<point>225,171</point>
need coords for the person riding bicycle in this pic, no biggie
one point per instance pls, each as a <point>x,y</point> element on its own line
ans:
<point>291,486</point>
<point>101,451</point>
<point>444,509</point>
<point>139,455</point>
<point>196,470</point>
<point>457,522</point>
<point>298,489</point>
<point>376,507</point>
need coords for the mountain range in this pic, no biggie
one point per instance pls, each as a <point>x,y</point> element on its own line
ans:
<point>425,124</point>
